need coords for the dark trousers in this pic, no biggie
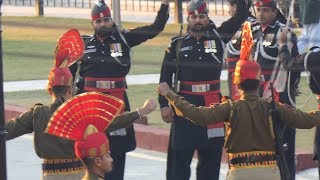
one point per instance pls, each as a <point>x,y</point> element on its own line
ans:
<point>119,161</point>
<point>289,138</point>
<point>208,167</point>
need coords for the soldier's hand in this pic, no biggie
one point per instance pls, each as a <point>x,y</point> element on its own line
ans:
<point>167,114</point>
<point>163,88</point>
<point>148,106</point>
<point>282,37</point>
<point>166,2</point>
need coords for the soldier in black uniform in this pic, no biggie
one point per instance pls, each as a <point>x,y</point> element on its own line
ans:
<point>309,61</point>
<point>233,48</point>
<point>265,51</point>
<point>105,64</point>
<point>197,68</point>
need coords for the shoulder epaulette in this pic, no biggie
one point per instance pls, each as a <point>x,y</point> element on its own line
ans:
<point>37,104</point>
<point>176,38</point>
<point>86,37</point>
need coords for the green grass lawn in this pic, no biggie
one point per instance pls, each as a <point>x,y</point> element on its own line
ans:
<point>29,43</point>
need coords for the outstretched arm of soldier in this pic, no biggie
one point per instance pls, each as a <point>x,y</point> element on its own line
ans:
<point>126,119</point>
<point>199,115</point>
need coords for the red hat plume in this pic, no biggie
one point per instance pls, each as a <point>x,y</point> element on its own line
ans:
<point>246,68</point>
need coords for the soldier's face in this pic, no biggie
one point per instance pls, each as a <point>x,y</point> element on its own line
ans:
<point>198,22</point>
<point>232,9</point>
<point>105,163</point>
<point>265,15</point>
<point>103,26</point>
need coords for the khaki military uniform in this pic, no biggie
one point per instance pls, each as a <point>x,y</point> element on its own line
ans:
<point>60,161</point>
<point>248,131</point>
<point>91,176</point>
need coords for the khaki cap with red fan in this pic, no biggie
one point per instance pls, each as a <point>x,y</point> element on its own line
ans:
<point>84,118</point>
<point>246,68</point>
<point>69,49</point>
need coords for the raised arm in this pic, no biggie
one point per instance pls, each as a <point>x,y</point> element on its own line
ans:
<point>232,25</point>
<point>140,34</point>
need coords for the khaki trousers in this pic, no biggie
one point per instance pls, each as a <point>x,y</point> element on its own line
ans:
<point>254,173</point>
<point>77,175</point>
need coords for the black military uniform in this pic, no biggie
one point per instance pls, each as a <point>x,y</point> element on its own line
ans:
<point>308,61</point>
<point>265,50</point>
<point>233,54</point>
<point>104,66</point>
<point>199,70</point>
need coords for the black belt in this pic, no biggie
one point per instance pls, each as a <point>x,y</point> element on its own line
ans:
<point>200,87</point>
<point>105,84</point>
<point>252,159</point>
<point>51,166</point>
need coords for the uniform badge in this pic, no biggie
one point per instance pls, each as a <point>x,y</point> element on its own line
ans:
<point>115,50</point>
<point>266,43</point>
<point>210,46</point>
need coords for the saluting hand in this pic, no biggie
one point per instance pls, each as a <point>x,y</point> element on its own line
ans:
<point>148,106</point>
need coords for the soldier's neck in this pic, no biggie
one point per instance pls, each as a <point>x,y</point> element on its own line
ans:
<point>197,35</point>
<point>243,93</point>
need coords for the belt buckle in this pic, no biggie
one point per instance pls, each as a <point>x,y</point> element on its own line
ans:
<point>200,87</point>
<point>105,84</point>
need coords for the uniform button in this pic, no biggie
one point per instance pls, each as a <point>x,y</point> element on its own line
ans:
<point>103,44</point>
<point>199,50</point>
<point>102,52</point>
<point>200,58</point>
<point>198,42</point>
<point>88,57</point>
<point>186,55</point>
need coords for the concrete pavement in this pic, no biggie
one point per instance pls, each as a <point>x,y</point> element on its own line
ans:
<point>23,163</point>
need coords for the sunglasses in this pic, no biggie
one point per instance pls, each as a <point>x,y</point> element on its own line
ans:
<point>105,19</point>
<point>196,16</point>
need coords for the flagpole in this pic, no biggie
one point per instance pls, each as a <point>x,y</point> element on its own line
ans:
<point>3,161</point>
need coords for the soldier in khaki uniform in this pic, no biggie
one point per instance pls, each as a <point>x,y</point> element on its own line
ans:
<point>249,141</point>
<point>59,159</point>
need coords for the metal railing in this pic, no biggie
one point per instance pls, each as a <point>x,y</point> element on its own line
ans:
<point>215,6</point>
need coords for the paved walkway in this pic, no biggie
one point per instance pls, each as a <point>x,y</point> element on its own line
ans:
<point>23,163</point>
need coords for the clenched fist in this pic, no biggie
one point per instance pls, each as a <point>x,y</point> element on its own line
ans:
<point>148,106</point>
<point>163,88</point>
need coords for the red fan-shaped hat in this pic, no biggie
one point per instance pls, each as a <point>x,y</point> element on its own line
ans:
<point>69,49</point>
<point>246,68</point>
<point>83,119</point>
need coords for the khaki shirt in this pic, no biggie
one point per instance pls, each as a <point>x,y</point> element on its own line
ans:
<point>91,176</point>
<point>51,147</point>
<point>248,129</point>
